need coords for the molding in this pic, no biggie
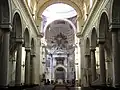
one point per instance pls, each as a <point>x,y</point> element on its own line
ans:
<point>30,16</point>
<point>90,16</point>
<point>33,54</point>
<point>101,40</point>
<point>92,48</point>
<point>19,40</point>
<point>114,26</point>
<point>87,54</point>
<point>27,48</point>
<point>6,26</point>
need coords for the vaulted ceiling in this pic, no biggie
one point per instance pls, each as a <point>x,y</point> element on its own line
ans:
<point>82,7</point>
<point>53,30</point>
<point>76,4</point>
<point>60,34</point>
<point>57,27</point>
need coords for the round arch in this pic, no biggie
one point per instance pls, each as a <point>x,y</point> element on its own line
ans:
<point>18,12</point>
<point>93,41</point>
<point>104,28</point>
<point>50,2</point>
<point>5,17</point>
<point>27,38</point>
<point>58,66</point>
<point>68,21</point>
<point>17,25</point>
<point>116,12</point>
<point>62,73</point>
<point>87,48</point>
<point>103,25</point>
<point>16,32</point>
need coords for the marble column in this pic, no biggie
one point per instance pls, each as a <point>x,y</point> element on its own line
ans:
<point>93,64</point>
<point>27,66</point>
<point>102,62</point>
<point>87,58</point>
<point>4,60</point>
<point>19,42</point>
<point>33,56</point>
<point>115,57</point>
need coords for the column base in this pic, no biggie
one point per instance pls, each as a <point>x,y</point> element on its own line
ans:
<point>19,87</point>
<point>3,87</point>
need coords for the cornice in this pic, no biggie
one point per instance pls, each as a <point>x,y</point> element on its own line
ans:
<point>30,16</point>
<point>89,17</point>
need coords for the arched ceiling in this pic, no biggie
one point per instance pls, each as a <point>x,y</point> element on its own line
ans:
<point>82,7</point>
<point>76,4</point>
<point>60,33</point>
<point>59,10</point>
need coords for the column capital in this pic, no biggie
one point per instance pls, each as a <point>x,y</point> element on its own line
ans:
<point>114,27</point>
<point>6,26</point>
<point>101,40</point>
<point>27,48</point>
<point>19,40</point>
<point>86,54</point>
<point>92,48</point>
<point>33,54</point>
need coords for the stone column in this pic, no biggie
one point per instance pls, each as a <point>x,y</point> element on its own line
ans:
<point>19,42</point>
<point>115,57</point>
<point>87,58</point>
<point>102,62</point>
<point>27,66</point>
<point>33,56</point>
<point>4,60</point>
<point>93,64</point>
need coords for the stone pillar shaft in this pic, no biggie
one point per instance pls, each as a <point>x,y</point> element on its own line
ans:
<point>87,58</point>
<point>32,69</point>
<point>102,63</point>
<point>27,67</point>
<point>4,61</point>
<point>116,61</point>
<point>93,64</point>
<point>18,63</point>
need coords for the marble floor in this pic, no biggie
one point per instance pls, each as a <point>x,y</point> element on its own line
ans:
<point>51,87</point>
